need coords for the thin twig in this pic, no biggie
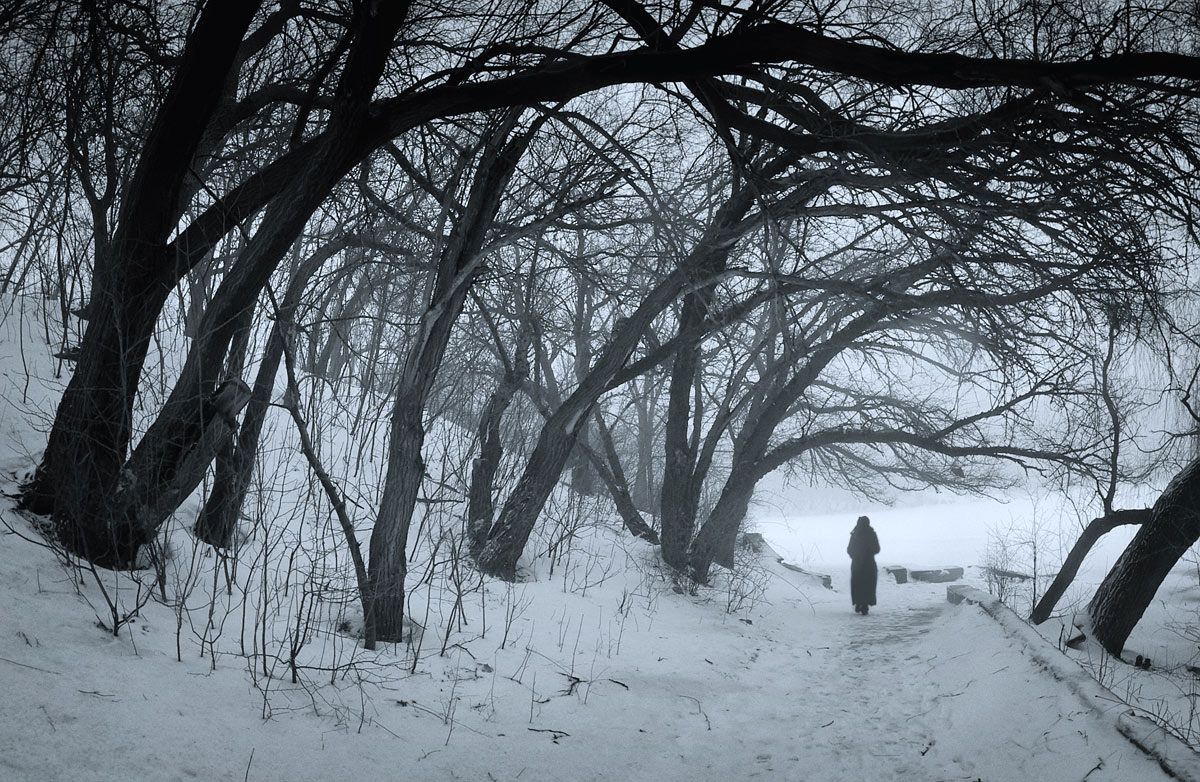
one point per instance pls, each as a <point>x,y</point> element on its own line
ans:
<point>31,667</point>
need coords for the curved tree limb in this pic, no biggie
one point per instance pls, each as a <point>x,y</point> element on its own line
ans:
<point>1095,529</point>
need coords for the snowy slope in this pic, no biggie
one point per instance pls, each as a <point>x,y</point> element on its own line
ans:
<point>794,686</point>
<point>594,669</point>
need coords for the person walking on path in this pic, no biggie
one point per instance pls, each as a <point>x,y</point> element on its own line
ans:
<point>864,545</point>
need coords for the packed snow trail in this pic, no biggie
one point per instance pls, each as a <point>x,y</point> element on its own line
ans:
<point>923,690</point>
<point>870,726</point>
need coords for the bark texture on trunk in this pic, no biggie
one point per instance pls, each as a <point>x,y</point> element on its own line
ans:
<point>458,266</point>
<point>1128,589</point>
<point>82,466</point>
<point>480,508</point>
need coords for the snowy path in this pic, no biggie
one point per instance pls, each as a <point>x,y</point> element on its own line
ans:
<point>923,690</point>
<point>858,703</point>
<point>870,726</point>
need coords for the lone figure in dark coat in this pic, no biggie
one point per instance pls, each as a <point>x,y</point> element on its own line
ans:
<point>864,545</point>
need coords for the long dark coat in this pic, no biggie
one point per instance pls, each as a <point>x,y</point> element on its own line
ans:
<point>864,574</point>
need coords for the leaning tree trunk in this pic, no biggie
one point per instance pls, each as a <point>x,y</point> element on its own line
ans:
<point>235,467</point>
<point>480,509</point>
<point>388,564</point>
<point>1125,594</point>
<point>88,442</point>
<point>457,268</point>
<point>510,533</point>
<point>87,446</point>
<point>683,474</point>
<point>1095,529</point>
<point>218,518</point>
<point>167,455</point>
<point>144,505</point>
<point>717,537</point>
<point>1128,589</point>
<point>235,366</point>
<point>613,476</point>
<point>120,514</point>
<point>157,458</point>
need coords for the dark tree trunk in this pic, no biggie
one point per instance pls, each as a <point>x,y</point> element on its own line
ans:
<point>1128,589</point>
<point>159,457</point>
<point>226,457</point>
<point>683,469</point>
<point>388,564</point>
<point>1095,529</point>
<point>613,476</point>
<point>717,537</point>
<point>510,533</point>
<point>681,484</point>
<point>169,455</point>
<point>480,509</point>
<point>753,456</point>
<point>224,448</point>
<point>116,512</point>
<point>145,505</point>
<point>457,268</point>
<point>82,465</point>
<point>81,468</point>
<point>219,516</point>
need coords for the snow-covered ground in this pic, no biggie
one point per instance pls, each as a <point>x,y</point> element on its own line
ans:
<point>593,670</point>
<point>628,681</point>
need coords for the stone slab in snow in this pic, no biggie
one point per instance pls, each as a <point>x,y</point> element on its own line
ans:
<point>937,575</point>
<point>1009,575</point>
<point>826,580</point>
